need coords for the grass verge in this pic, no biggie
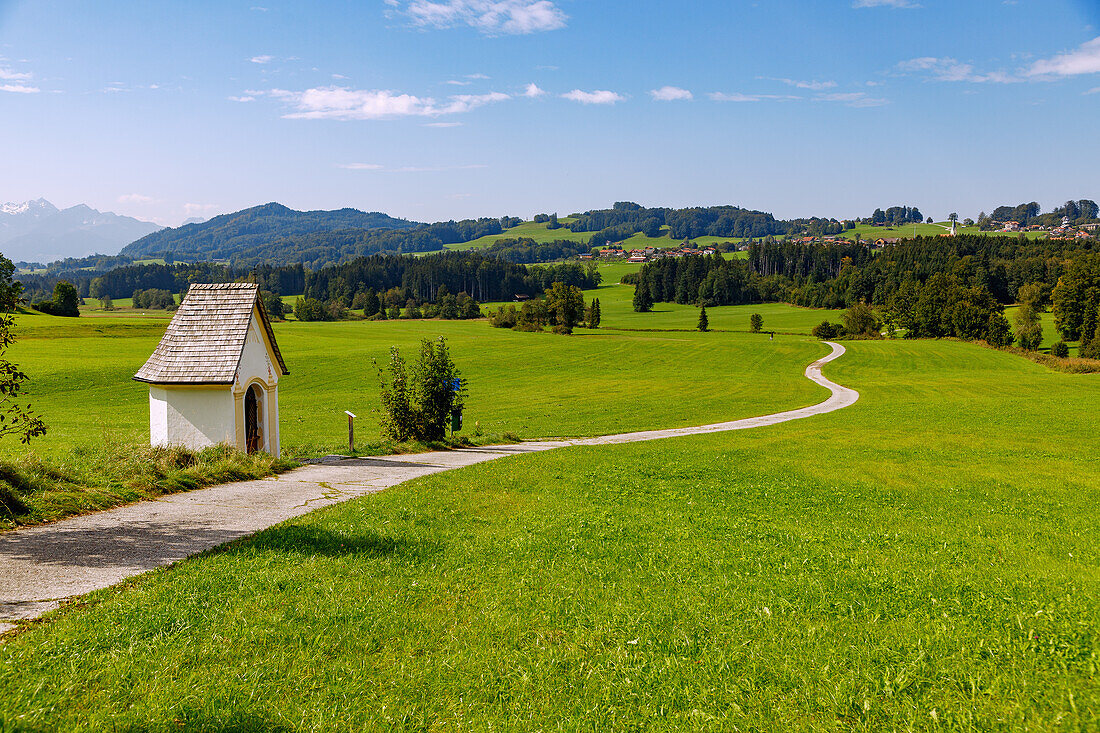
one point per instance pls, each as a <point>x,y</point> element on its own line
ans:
<point>36,489</point>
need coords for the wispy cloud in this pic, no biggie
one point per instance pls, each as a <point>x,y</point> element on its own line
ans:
<point>852,99</point>
<point>341,103</point>
<point>533,91</point>
<point>408,168</point>
<point>457,83</point>
<point>243,98</point>
<point>949,69</point>
<point>739,97</point>
<point>1094,90</point>
<point>8,75</point>
<point>885,4</point>
<point>442,124</point>
<point>815,86</point>
<point>491,17</point>
<point>599,96</point>
<point>19,89</point>
<point>135,198</point>
<point>1084,60</point>
<point>671,94</point>
<point>262,59</point>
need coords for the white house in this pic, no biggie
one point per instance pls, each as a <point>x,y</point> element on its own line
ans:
<point>214,377</point>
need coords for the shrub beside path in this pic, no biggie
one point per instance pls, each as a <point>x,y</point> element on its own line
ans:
<point>41,567</point>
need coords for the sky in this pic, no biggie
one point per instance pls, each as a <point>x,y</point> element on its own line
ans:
<point>439,109</point>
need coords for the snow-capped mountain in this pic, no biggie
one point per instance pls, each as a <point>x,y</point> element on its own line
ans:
<point>37,231</point>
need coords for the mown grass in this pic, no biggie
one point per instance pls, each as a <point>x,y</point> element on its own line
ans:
<point>36,489</point>
<point>533,385</point>
<point>541,234</point>
<point>924,560</point>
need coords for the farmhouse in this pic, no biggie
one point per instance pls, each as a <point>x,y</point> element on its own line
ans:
<point>214,376</point>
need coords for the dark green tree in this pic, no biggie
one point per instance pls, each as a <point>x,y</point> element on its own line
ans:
<point>1059,349</point>
<point>643,300</point>
<point>756,323</point>
<point>273,304</point>
<point>565,304</point>
<point>998,331</point>
<point>1029,331</point>
<point>11,291</point>
<point>65,301</point>
<point>704,323</point>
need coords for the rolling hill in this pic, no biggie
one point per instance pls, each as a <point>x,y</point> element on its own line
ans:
<point>231,236</point>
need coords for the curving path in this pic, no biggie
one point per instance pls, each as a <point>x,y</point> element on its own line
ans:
<point>41,567</point>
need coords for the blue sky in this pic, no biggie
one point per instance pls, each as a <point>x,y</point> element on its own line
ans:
<point>435,109</point>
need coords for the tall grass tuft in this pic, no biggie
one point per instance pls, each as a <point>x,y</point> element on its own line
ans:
<point>34,489</point>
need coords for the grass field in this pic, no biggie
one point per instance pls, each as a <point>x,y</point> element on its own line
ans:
<point>868,232</point>
<point>540,233</point>
<point>924,560</point>
<point>534,385</point>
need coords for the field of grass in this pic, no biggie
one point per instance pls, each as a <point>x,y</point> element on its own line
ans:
<point>540,233</point>
<point>533,385</point>
<point>868,232</point>
<point>924,560</point>
<point>1050,333</point>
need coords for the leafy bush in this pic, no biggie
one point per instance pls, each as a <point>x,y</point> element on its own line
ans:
<point>1060,349</point>
<point>826,331</point>
<point>417,406</point>
<point>154,299</point>
<point>310,309</point>
<point>756,323</point>
<point>65,301</point>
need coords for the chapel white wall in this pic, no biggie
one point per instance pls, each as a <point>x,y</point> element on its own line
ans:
<point>193,417</point>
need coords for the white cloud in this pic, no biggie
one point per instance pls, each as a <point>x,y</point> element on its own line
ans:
<point>135,198</point>
<point>193,210</point>
<point>258,9</point>
<point>242,98</point>
<point>491,17</point>
<point>815,86</point>
<point>852,99</point>
<point>1095,90</point>
<point>885,4</point>
<point>340,103</point>
<point>599,96</point>
<point>442,124</point>
<point>360,166</point>
<point>455,82</point>
<point>19,89</point>
<point>670,94</point>
<point>408,168</point>
<point>477,76</point>
<point>9,75</point>
<point>1084,60</point>
<point>949,69</point>
<point>262,59</point>
<point>738,97</point>
<point>533,91</point>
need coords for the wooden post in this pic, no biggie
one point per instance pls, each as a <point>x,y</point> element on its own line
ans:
<point>351,431</point>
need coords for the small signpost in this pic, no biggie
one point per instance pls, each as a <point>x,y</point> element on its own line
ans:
<point>351,431</point>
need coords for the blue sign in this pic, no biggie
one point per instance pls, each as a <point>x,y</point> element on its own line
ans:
<point>457,385</point>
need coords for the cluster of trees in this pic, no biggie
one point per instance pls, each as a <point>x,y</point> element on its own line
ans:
<point>65,301</point>
<point>562,309</point>
<point>626,218</point>
<point>392,304</point>
<point>484,278</point>
<point>525,250</point>
<point>154,299</point>
<point>895,216</point>
<point>1078,212</point>
<point>1076,304</point>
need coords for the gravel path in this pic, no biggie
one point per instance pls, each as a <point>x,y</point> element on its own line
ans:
<point>42,566</point>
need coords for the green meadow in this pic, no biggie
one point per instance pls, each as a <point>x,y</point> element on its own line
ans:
<point>541,234</point>
<point>923,560</point>
<point>532,385</point>
<point>870,232</point>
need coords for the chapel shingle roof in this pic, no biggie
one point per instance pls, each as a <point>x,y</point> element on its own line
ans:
<point>205,340</point>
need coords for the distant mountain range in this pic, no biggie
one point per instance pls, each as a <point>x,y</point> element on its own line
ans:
<point>38,231</point>
<point>231,236</point>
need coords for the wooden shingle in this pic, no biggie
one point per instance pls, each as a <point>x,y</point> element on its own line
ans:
<point>205,340</point>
